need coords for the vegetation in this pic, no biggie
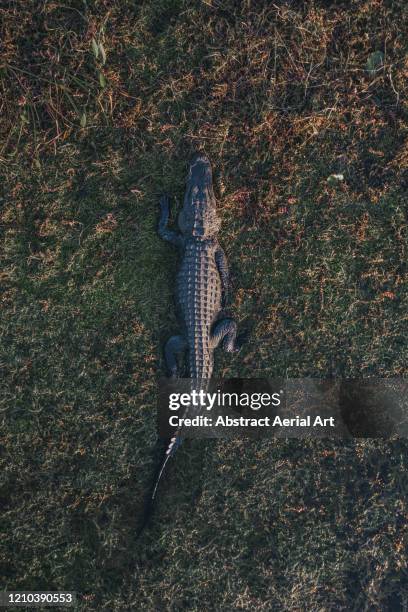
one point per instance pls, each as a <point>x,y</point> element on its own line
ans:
<point>301,107</point>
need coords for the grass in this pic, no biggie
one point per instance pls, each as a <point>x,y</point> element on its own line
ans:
<point>102,105</point>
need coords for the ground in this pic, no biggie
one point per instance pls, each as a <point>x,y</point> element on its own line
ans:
<point>301,107</point>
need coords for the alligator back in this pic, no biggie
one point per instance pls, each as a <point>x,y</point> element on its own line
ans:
<point>199,300</point>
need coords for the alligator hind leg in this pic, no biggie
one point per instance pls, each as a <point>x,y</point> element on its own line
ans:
<point>174,346</point>
<point>225,331</point>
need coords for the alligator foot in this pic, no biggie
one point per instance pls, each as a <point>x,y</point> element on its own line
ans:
<point>165,233</point>
<point>174,346</point>
<point>225,331</point>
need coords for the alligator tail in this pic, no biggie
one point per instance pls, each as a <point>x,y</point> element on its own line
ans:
<point>171,449</point>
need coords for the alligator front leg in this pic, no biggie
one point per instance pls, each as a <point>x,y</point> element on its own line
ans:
<point>174,346</point>
<point>225,330</point>
<point>171,236</point>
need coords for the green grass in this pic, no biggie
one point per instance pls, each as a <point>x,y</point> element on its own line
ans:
<point>280,98</point>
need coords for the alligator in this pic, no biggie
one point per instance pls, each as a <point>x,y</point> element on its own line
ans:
<point>201,289</point>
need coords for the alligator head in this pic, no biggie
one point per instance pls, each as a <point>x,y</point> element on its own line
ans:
<point>198,217</point>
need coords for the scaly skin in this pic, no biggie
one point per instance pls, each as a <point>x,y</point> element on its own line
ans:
<point>199,297</point>
<point>202,281</point>
<point>201,289</point>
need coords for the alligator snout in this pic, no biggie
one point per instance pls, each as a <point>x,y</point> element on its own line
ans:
<point>200,171</point>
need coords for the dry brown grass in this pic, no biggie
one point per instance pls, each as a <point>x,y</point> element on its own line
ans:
<point>282,96</point>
